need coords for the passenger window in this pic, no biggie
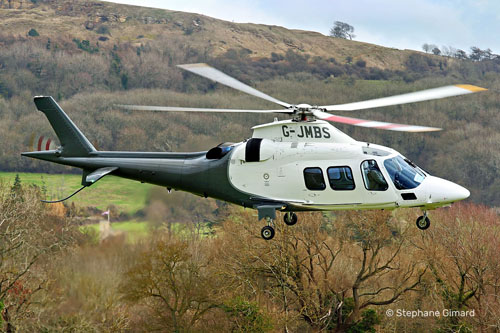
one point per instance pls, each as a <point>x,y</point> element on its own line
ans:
<point>372,176</point>
<point>314,180</point>
<point>340,178</point>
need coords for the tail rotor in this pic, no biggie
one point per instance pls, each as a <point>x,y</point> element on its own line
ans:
<point>42,143</point>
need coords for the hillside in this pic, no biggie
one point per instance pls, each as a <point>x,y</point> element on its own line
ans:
<point>138,25</point>
<point>90,55</point>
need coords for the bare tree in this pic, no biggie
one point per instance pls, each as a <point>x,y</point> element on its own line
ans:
<point>448,51</point>
<point>384,244</point>
<point>342,30</point>
<point>461,54</point>
<point>463,257</point>
<point>28,233</point>
<point>476,54</point>
<point>488,54</point>
<point>328,275</point>
<point>426,47</point>
<point>173,283</point>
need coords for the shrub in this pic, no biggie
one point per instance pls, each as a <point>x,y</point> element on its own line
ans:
<point>246,316</point>
<point>33,33</point>
<point>275,57</point>
<point>85,46</point>
<point>103,30</point>
<point>361,63</point>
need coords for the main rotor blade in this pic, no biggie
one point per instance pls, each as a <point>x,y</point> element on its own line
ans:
<point>182,109</point>
<point>418,96</point>
<point>217,76</point>
<point>373,124</point>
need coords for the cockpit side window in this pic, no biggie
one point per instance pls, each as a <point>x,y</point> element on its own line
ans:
<point>372,176</point>
<point>314,180</point>
<point>404,174</point>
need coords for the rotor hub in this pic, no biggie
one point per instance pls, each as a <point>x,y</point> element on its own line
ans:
<point>303,107</point>
<point>303,112</point>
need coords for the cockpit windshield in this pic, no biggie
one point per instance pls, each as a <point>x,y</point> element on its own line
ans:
<point>404,174</point>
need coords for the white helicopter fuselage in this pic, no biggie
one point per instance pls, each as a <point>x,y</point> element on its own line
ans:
<point>314,166</point>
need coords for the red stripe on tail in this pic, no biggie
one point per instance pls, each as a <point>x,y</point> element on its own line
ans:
<point>47,146</point>
<point>40,140</point>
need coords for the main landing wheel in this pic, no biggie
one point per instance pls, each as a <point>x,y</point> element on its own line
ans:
<point>267,232</point>
<point>423,222</point>
<point>290,218</point>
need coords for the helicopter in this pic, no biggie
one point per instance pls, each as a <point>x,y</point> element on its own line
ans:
<point>300,164</point>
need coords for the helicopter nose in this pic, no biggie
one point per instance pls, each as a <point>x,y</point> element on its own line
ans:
<point>457,192</point>
<point>442,190</point>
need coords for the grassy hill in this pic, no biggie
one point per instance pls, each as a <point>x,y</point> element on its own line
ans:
<point>109,24</point>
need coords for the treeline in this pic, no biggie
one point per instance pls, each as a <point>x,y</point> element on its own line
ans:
<point>341,272</point>
<point>62,68</point>
<point>475,54</point>
<point>87,83</point>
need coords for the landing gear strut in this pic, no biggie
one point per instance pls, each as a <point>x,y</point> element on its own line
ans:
<point>269,213</point>
<point>423,222</point>
<point>268,231</point>
<point>290,218</point>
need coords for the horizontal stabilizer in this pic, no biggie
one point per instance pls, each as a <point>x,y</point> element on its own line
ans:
<point>90,178</point>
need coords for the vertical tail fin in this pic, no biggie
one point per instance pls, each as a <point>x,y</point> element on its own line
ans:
<point>72,140</point>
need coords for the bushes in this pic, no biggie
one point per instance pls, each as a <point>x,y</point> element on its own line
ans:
<point>85,46</point>
<point>30,233</point>
<point>33,33</point>
<point>246,316</point>
<point>361,63</point>
<point>103,30</point>
<point>174,284</point>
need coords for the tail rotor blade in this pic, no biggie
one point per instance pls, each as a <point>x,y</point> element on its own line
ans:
<point>32,142</point>
<point>41,143</point>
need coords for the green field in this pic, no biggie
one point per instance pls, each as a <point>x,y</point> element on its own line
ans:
<point>134,230</point>
<point>127,195</point>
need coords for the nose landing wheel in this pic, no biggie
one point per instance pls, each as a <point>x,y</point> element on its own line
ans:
<point>267,232</point>
<point>423,222</point>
